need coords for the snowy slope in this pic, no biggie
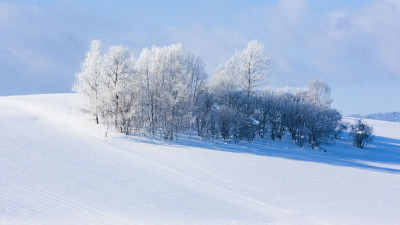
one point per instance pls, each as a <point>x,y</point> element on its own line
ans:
<point>56,167</point>
<point>388,116</point>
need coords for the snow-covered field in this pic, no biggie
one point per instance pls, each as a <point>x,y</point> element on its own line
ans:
<point>56,167</point>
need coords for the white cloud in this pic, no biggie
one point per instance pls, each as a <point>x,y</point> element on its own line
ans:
<point>292,10</point>
<point>375,27</point>
<point>395,3</point>
<point>343,43</point>
<point>383,26</point>
<point>8,12</point>
<point>213,44</point>
<point>340,45</point>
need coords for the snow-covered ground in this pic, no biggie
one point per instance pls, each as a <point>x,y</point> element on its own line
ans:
<point>389,116</point>
<point>56,167</point>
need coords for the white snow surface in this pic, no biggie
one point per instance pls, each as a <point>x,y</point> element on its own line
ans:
<point>56,167</point>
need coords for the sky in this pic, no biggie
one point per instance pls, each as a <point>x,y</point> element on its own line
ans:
<point>354,46</point>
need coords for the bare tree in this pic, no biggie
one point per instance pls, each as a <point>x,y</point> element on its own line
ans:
<point>361,133</point>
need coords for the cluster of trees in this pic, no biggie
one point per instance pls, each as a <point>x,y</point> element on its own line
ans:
<point>166,91</point>
<point>234,115</point>
<point>235,108</point>
<point>156,92</point>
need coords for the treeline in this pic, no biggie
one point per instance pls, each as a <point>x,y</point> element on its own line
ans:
<point>166,91</point>
<point>305,115</point>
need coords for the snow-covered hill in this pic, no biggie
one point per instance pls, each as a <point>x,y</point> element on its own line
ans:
<point>56,167</point>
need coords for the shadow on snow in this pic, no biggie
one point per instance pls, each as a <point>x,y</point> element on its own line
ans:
<point>383,155</point>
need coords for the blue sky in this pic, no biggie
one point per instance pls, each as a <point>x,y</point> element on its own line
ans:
<point>352,45</point>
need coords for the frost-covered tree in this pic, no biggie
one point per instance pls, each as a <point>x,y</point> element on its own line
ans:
<point>254,63</point>
<point>309,118</point>
<point>342,127</point>
<point>171,79</point>
<point>206,115</point>
<point>264,105</point>
<point>296,115</point>
<point>166,91</point>
<point>322,121</point>
<point>88,80</point>
<point>361,133</point>
<point>246,70</point>
<point>226,76</point>
<point>241,75</point>
<point>119,89</point>
<point>321,125</point>
<point>319,93</point>
<point>146,72</point>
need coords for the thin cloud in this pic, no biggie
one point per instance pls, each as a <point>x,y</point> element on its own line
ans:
<point>344,45</point>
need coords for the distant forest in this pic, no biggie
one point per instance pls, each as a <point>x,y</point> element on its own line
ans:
<point>389,116</point>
